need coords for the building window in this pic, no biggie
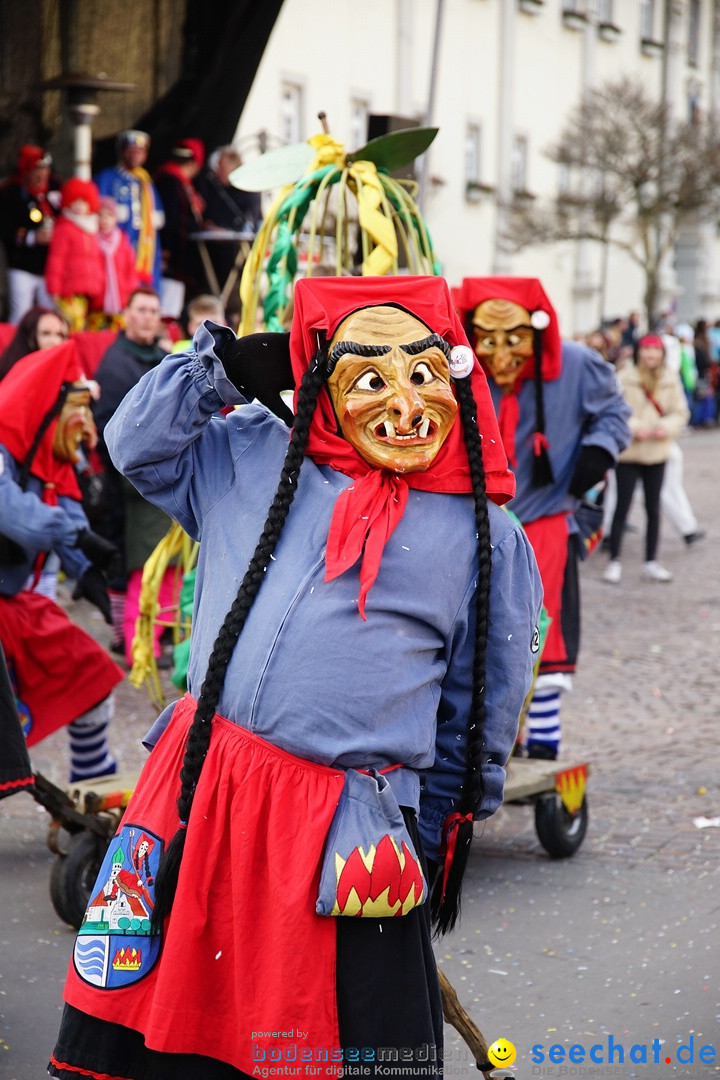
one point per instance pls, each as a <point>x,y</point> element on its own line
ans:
<point>518,165</point>
<point>647,20</point>
<point>359,112</point>
<point>694,32</point>
<point>291,113</point>
<point>473,148</point>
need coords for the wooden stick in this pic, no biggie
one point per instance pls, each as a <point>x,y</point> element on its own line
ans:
<point>322,117</point>
<point>459,1019</point>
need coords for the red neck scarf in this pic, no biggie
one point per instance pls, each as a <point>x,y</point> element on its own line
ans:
<point>27,394</point>
<point>368,510</point>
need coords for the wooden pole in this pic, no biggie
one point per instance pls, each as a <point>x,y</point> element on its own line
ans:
<point>465,1027</point>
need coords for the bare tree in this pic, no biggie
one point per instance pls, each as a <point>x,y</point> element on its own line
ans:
<point>634,176</point>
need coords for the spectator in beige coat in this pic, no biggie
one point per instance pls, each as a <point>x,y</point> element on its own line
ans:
<point>659,415</point>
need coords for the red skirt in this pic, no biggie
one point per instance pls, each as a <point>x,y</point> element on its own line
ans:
<point>549,539</point>
<point>245,967</point>
<point>60,671</point>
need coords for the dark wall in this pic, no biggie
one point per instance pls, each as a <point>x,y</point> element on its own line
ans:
<point>192,63</point>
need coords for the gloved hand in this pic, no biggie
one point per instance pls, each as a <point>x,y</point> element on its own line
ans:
<point>101,552</point>
<point>591,467</point>
<point>93,587</point>
<point>258,365</point>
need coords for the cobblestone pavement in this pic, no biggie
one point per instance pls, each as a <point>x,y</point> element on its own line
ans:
<point>644,708</point>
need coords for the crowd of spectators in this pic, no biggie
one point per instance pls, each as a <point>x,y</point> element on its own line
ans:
<point>82,246</point>
<point>692,350</point>
<point>689,360</point>
<point>113,263</point>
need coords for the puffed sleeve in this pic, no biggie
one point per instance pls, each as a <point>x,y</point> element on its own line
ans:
<point>167,438</point>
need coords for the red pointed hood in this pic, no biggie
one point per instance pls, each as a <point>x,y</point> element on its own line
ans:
<point>27,394</point>
<point>529,293</point>
<point>321,304</point>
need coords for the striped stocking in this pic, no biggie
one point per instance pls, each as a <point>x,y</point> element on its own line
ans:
<point>89,753</point>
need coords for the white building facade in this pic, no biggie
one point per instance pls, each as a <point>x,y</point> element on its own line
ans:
<point>499,78</point>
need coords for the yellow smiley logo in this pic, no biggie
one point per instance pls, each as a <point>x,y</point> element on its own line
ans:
<point>502,1052</point>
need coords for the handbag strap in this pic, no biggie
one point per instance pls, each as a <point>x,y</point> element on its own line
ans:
<point>655,404</point>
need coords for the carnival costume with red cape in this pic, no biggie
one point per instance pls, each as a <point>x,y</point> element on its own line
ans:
<point>59,671</point>
<point>299,709</point>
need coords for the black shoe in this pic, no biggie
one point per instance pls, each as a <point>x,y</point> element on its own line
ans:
<point>118,647</point>
<point>541,752</point>
<point>693,537</point>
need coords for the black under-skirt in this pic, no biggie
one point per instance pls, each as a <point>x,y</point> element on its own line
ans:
<point>389,1008</point>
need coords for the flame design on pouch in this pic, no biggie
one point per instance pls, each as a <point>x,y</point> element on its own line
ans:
<point>128,958</point>
<point>382,881</point>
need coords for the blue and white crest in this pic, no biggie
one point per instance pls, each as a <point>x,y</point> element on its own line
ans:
<point>114,947</point>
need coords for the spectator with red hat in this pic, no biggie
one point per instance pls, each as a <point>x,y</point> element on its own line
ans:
<point>660,414</point>
<point>183,214</point>
<point>28,207</point>
<point>75,271</point>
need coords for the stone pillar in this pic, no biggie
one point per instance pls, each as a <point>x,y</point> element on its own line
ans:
<point>505,120</point>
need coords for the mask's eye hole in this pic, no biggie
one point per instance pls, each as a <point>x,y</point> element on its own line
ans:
<point>488,342</point>
<point>370,382</point>
<point>422,374</point>
<point>513,340</point>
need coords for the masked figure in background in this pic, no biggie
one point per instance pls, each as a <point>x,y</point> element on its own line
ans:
<point>356,689</point>
<point>563,423</point>
<point>60,674</point>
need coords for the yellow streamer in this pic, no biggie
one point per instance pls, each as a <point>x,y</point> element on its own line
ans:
<point>376,218</point>
<point>373,220</point>
<point>175,544</point>
<point>370,197</point>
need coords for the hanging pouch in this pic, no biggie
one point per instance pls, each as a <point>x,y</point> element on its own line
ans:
<point>370,866</point>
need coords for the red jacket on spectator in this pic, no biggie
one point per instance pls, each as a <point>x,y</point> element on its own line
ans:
<point>75,265</point>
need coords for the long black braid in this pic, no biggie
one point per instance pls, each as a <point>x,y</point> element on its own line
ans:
<point>445,909</point>
<point>542,473</point>
<point>198,739</point>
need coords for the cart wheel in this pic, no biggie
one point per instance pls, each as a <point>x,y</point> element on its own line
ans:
<point>559,832</point>
<point>73,876</point>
